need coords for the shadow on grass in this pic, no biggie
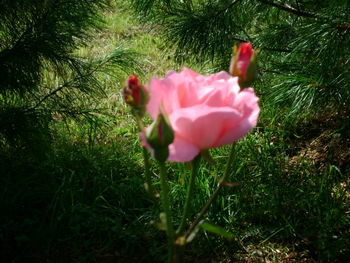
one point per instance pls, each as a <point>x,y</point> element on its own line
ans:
<point>283,202</point>
<point>84,202</point>
<point>74,204</point>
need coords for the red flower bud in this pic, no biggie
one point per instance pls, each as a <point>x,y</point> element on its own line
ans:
<point>243,64</point>
<point>133,81</point>
<point>135,95</point>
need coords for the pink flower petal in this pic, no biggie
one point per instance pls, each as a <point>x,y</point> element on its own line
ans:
<point>182,151</point>
<point>203,125</point>
<point>247,103</point>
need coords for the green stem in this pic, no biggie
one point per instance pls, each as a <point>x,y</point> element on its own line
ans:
<point>214,194</point>
<point>149,186</point>
<point>167,210</point>
<point>195,167</point>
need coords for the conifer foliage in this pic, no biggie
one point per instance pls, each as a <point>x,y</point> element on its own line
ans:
<point>41,75</point>
<point>304,44</point>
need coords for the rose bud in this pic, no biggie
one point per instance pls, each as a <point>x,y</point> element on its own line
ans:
<point>135,95</point>
<point>159,136</point>
<point>243,64</point>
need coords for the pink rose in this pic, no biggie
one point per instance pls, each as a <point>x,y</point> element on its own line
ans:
<point>204,111</point>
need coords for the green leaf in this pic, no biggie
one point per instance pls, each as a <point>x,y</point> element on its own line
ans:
<point>216,230</point>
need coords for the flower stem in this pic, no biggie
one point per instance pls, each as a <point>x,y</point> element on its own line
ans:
<point>214,194</point>
<point>148,185</point>
<point>195,166</point>
<point>167,210</point>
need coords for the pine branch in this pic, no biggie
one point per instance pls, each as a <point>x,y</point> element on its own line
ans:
<point>120,58</point>
<point>289,9</point>
<point>345,28</point>
<point>52,93</point>
<point>67,84</point>
<point>226,8</point>
<point>282,50</point>
<point>305,44</point>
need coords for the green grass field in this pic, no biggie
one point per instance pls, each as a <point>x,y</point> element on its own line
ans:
<point>82,199</point>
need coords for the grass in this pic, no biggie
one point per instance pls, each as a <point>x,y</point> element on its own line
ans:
<point>82,198</point>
